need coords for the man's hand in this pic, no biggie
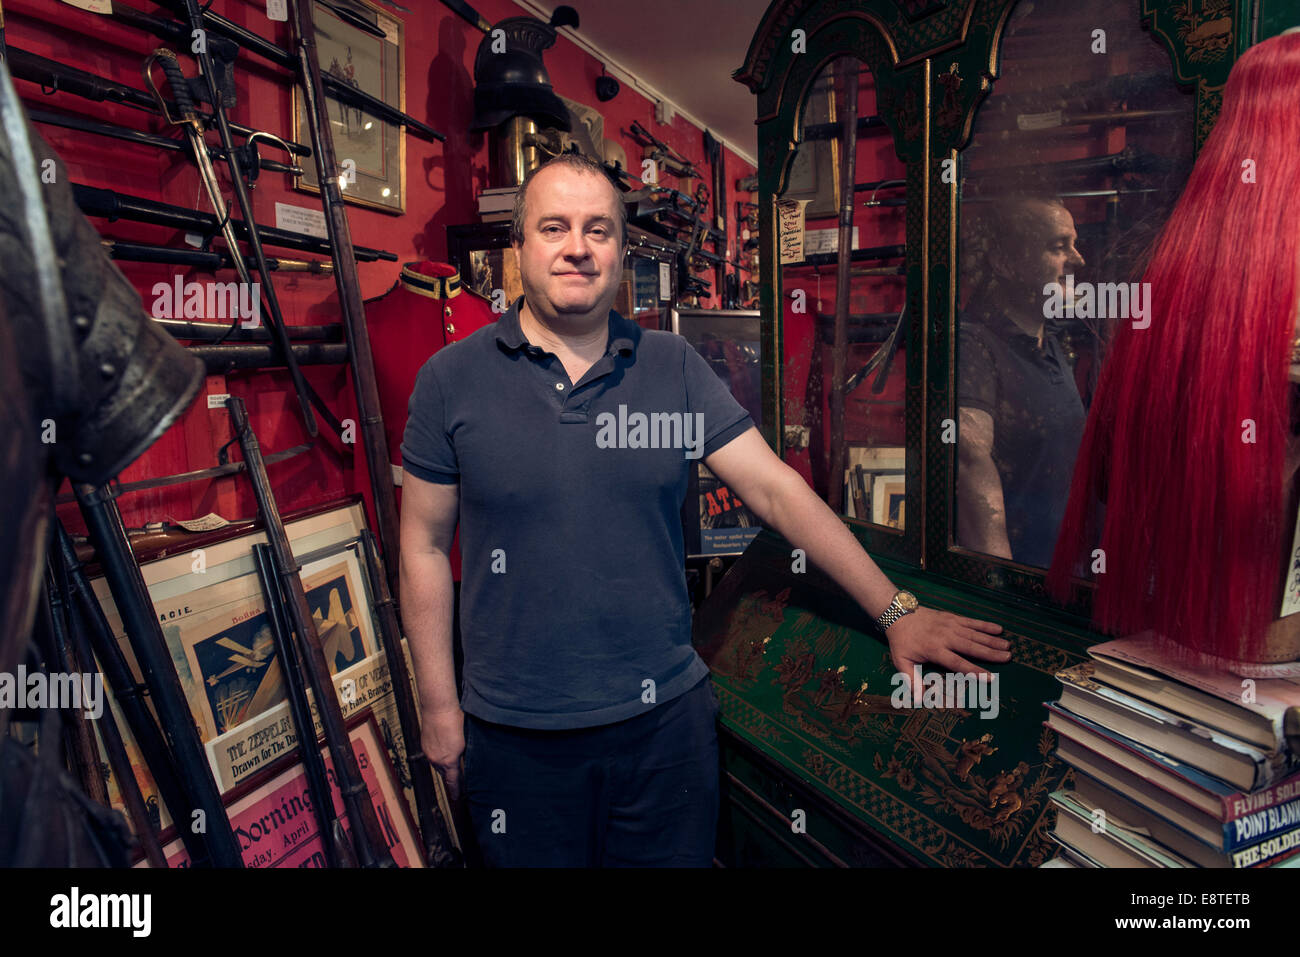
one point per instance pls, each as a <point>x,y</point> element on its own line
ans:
<point>943,638</point>
<point>442,738</point>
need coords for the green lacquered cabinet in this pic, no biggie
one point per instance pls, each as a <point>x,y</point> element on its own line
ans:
<point>820,768</point>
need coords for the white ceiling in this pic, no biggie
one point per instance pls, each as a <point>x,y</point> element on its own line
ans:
<point>683,51</point>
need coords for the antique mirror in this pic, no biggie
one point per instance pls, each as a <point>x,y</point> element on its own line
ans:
<point>1074,162</point>
<point>843,367</point>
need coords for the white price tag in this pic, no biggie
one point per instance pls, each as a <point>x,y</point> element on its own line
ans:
<point>208,523</point>
<point>277,10</point>
<point>665,282</point>
<point>217,400</point>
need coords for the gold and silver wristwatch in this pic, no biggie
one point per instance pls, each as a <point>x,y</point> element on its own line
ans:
<point>904,603</point>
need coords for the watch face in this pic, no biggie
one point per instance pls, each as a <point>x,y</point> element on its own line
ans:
<point>908,601</point>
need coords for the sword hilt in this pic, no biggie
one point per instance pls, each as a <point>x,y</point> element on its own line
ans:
<point>176,80</point>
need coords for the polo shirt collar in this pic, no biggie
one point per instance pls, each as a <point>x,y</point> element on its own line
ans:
<point>623,333</point>
<point>999,323</point>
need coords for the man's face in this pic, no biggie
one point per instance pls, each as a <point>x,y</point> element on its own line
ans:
<point>1047,252</point>
<point>571,256</point>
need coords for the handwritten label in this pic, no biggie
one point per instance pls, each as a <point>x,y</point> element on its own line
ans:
<point>277,10</point>
<point>665,282</point>
<point>94,6</point>
<point>300,219</point>
<point>789,220</point>
<point>208,523</point>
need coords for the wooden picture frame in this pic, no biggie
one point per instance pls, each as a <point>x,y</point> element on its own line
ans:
<point>371,153</point>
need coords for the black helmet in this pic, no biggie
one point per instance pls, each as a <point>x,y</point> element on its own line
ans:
<point>514,81</point>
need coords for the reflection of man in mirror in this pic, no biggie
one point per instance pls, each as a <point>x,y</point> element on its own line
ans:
<point>1020,414</point>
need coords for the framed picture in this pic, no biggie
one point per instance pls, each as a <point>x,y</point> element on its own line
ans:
<point>230,653</point>
<point>815,169</point>
<point>272,817</point>
<point>875,484</point>
<point>888,495</point>
<point>371,154</point>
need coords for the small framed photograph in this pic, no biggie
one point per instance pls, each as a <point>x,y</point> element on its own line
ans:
<point>371,153</point>
<point>888,498</point>
<point>272,814</point>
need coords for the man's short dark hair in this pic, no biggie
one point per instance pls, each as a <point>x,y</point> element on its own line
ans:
<point>574,161</point>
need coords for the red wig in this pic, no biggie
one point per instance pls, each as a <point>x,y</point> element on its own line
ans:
<point>1185,442</point>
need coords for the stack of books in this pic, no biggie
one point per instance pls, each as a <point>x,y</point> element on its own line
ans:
<point>497,203</point>
<point>1175,765</point>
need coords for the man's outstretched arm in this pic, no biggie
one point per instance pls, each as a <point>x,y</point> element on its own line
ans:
<point>783,502</point>
<point>429,512</point>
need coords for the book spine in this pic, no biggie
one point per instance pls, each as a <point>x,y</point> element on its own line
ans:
<point>1260,826</point>
<point>1240,805</point>
<point>1270,851</point>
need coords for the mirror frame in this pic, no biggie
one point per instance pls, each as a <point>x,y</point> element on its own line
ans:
<point>933,62</point>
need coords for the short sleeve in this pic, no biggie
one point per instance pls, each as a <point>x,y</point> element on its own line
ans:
<point>977,384</point>
<point>427,449</point>
<point>724,417</point>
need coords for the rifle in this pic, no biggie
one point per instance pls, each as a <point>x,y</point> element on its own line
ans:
<point>104,522</point>
<point>224,357</point>
<point>55,646</point>
<point>195,331</point>
<point>53,76</point>
<point>349,287</point>
<point>70,121</point>
<point>112,205</point>
<point>211,260</point>
<point>114,747</point>
<point>334,839</point>
<point>372,851</point>
<point>438,848</point>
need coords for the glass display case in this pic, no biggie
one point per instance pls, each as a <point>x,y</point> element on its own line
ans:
<point>934,179</point>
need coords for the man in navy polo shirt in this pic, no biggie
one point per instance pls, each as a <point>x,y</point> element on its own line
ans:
<point>560,440</point>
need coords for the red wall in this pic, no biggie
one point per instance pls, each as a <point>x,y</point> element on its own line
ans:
<point>443,181</point>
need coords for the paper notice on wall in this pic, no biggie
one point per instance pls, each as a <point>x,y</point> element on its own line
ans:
<point>300,219</point>
<point>821,241</point>
<point>94,6</point>
<point>389,27</point>
<point>789,220</point>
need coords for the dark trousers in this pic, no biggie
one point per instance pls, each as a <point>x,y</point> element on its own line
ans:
<point>639,793</point>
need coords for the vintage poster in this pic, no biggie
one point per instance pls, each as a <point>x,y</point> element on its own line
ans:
<point>241,753</point>
<point>191,584</point>
<point>276,826</point>
<point>231,655</point>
